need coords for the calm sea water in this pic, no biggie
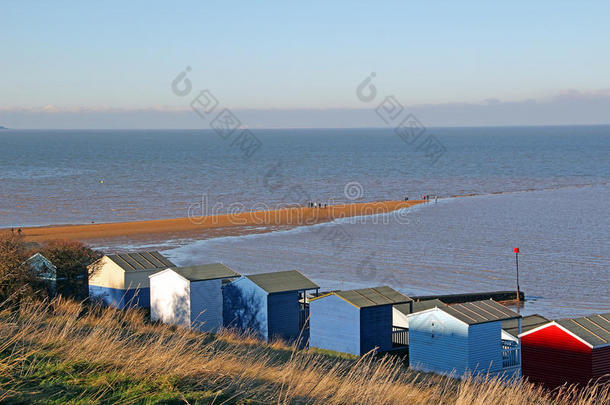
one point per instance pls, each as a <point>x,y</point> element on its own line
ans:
<point>455,245</point>
<point>546,190</point>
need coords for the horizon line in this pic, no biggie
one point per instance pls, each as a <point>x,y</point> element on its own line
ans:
<point>318,128</point>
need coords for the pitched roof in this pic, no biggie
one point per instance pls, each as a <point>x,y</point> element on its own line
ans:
<point>478,312</point>
<point>419,306</point>
<point>527,323</point>
<point>282,281</point>
<point>594,329</point>
<point>38,258</point>
<point>205,272</point>
<point>141,261</point>
<point>370,297</point>
<point>41,267</point>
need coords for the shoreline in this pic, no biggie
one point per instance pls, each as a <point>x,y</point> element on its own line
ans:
<point>210,225</point>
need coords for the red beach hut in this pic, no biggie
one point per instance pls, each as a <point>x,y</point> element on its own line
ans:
<point>572,351</point>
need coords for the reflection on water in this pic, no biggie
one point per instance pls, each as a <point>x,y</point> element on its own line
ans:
<point>457,245</point>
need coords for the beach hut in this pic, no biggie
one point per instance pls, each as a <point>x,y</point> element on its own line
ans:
<point>567,351</point>
<point>400,319</point>
<point>55,280</point>
<point>270,304</point>
<point>189,296</point>
<point>354,321</point>
<point>121,280</point>
<point>44,270</point>
<point>464,339</point>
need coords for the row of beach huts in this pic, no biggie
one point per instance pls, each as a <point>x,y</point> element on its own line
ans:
<point>473,338</point>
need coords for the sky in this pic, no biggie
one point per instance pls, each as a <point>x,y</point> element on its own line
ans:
<point>111,64</point>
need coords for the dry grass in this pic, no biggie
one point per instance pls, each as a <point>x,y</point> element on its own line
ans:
<point>63,351</point>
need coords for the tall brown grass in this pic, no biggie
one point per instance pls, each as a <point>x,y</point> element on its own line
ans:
<point>236,365</point>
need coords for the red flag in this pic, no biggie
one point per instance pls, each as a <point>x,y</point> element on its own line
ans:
<point>516,250</point>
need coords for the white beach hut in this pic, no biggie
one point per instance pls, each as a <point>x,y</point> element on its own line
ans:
<point>189,296</point>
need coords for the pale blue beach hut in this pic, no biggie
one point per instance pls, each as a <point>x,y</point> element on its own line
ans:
<point>464,339</point>
<point>270,304</point>
<point>355,321</point>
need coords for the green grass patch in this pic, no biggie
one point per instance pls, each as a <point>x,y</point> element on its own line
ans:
<point>48,380</point>
<point>333,354</point>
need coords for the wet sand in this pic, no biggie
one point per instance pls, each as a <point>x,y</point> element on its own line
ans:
<point>210,226</point>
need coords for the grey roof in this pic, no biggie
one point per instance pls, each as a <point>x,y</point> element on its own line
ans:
<point>141,261</point>
<point>594,329</point>
<point>41,267</point>
<point>477,312</point>
<point>205,272</point>
<point>37,259</point>
<point>283,281</point>
<point>424,305</point>
<point>419,306</point>
<point>527,323</point>
<point>371,297</point>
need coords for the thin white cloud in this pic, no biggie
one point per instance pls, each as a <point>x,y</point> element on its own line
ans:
<point>564,108</point>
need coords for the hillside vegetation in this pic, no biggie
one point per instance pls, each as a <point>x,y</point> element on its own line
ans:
<point>63,351</point>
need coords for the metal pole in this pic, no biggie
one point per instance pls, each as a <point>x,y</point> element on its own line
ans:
<point>518,293</point>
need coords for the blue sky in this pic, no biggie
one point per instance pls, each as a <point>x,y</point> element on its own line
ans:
<point>71,58</point>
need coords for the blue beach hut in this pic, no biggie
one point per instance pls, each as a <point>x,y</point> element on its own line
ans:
<point>270,304</point>
<point>355,321</point>
<point>464,339</point>
<point>121,280</point>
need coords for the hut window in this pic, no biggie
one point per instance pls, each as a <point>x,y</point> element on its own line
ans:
<point>436,328</point>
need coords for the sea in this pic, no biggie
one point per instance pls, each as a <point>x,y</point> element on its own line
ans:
<point>545,190</point>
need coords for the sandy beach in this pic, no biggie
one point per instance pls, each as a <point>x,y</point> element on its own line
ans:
<point>210,226</point>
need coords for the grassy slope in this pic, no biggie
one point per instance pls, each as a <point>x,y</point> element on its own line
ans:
<point>63,352</point>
